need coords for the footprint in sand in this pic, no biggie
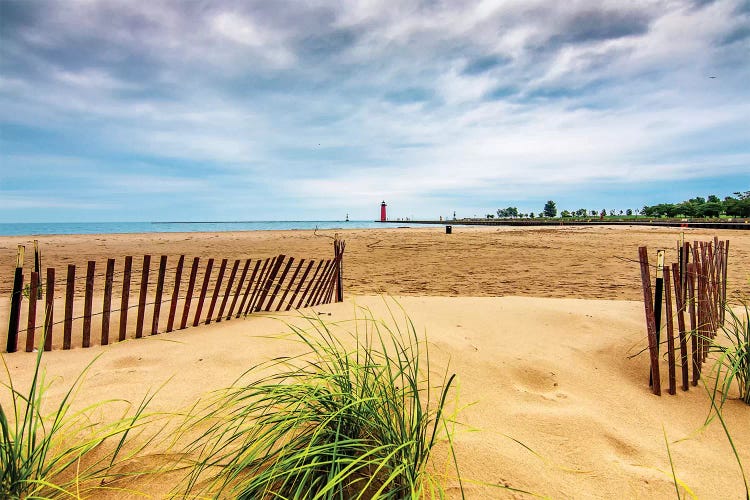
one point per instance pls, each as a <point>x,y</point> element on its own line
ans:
<point>538,382</point>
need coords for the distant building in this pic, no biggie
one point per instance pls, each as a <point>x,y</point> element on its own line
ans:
<point>383,217</point>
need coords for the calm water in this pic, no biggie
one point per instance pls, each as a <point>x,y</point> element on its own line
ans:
<point>38,228</point>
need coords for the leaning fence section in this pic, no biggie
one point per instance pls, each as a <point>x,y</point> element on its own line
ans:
<point>114,301</point>
<point>693,291</point>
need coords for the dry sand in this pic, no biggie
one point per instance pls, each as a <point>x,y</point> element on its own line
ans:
<point>552,373</point>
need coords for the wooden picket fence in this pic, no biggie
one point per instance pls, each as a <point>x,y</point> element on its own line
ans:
<point>698,285</point>
<point>274,284</point>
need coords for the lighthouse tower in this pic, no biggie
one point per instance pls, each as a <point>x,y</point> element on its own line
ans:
<point>383,217</point>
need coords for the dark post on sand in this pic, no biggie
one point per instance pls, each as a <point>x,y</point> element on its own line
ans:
<point>15,302</point>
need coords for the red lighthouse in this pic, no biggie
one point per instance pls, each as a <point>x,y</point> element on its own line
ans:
<point>382,212</point>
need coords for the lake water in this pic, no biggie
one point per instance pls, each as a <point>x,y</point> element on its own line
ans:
<point>40,228</point>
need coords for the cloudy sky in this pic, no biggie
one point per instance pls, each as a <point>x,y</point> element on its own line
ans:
<point>273,110</point>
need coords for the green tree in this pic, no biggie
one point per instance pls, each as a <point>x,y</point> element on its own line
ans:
<point>628,212</point>
<point>565,213</point>
<point>550,209</point>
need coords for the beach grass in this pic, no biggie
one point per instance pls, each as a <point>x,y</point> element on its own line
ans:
<point>732,366</point>
<point>356,416</point>
<point>65,452</point>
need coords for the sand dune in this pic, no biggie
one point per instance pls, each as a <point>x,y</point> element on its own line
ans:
<point>553,374</point>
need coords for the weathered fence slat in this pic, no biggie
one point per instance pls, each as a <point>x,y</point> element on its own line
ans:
<point>70,287</point>
<point>14,319</point>
<point>107,302</point>
<point>267,265</point>
<point>175,293</point>
<point>238,292</point>
<point>204,289</point>
<point>159,294</point>
<point>266,287</point>
<point>217,289</point>
<point>142,296</point>
<point>650,321</point>
<point>291,284</point>
<point>309,285</point>
<point>189,294</point>
<point>670,331</point>
<point>299,284</point>
<point>678,280</point>
<point>693,321</point>
<point>249,288</point>
<point>228,291</point>
<point>126,275</point>
<point>280,282</point>
<point>317,284</point>
<point>49,309</point>
<point>88,302</point>
<point>31,319</point>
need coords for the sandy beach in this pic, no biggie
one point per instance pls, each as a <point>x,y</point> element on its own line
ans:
<point>538,324</point>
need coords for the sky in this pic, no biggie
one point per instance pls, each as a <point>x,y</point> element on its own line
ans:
<point>305,110</point>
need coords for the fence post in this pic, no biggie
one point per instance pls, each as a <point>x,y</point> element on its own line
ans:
<point>159,293</point>
<point>49,316</point>
<point>31,320</point>
<point>125,298</point>
<point>70,290</point>
<point>107,302</point>
<point>678,292</point>
<point>15,302</point>
<point>341,245</point>
<point>670,332</point>
<point>175,293</point>
<point>87,303</point>
<point>648,305</point>
<point>189,294</point>
<point>142,296</point>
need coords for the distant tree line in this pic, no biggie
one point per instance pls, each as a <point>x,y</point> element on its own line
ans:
<point>732,206</point>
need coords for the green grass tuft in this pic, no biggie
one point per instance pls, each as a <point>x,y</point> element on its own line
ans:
<point>63,453</point>
<point>356,416</point>
<point>733,361</point>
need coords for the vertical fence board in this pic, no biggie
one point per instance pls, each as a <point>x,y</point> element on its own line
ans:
<point>693,320</point>
<point>309,284</point>
<point>269,281</point>
<point>175,293</point>
<point>49,309</point>
<point>317,284</point>
<point>278,285</point>
<point>204,289</point>
<point>291,284</point>
<point>267,265</point>
<point>14,319</point>
<point>228,291</point>
<point>217,289</point>
<point>88,301</point>
<point>724,280</point>
<point>125,299</point>
<point>299,284</point>
<point>107,302</point>
<point>670,331</point>
<point>189,293</point>
<point>238,292</point>
<point>142,296</point>
<point>70,287</point>
<point>31,319</point>
<point>322,283</point>
<point>678,280</point>
<point>159,294</point>
<point>650,321</point>
<point>249,288</point>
